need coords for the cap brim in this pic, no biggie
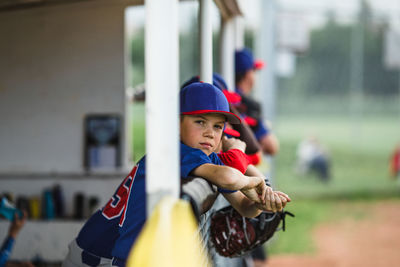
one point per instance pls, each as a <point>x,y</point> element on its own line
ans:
<point>231,132</point>
<point>232,97</point>
<point>250,121</point>
<point>258,64</point>
<point>230,117</point>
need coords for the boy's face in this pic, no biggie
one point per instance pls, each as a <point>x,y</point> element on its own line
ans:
<point>249,78</point>
<point>203,131</point>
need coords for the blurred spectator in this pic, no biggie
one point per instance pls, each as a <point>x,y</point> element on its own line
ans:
<point>313,157</point>
<point>395,163</point>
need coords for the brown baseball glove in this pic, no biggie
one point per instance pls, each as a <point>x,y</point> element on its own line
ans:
<point>233,235</point>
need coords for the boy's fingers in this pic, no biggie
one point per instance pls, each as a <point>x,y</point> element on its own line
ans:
<point>268,197</point>
<point>268,201</point>
<point>278,202</point>
<point>284,195</point>
<point>270,194</point>
<point>264,193</point>
<point>284,201</point>
<point>273,204</point>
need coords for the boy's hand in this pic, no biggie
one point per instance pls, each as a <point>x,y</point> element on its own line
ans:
<point>232,143</point>
<point>258,192</point>
<point>252,195</point>
<point>275,201</point>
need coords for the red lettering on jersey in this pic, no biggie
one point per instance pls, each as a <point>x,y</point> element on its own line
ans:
<point>118,202</point>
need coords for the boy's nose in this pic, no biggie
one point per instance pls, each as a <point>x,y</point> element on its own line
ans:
<point>209,132</point>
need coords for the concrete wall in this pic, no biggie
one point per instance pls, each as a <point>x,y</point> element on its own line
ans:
<point>58,64</point>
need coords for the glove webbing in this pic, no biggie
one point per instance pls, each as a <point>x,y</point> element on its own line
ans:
<point>230,230</point>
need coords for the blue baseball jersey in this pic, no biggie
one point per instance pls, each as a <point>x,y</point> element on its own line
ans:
<point>260,130</point>
<point>111,231</point>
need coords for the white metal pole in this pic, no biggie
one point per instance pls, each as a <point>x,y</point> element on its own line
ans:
<point>239,32</point>
<point>357,64</point>
<point>265,89</point>
<point>266,51</point>
<point>205,22</point>
<point>227,52</point>
<point>162,83</point>
<point>357,74</point>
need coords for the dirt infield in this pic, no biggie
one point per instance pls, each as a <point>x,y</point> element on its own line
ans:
<point>371,242</point>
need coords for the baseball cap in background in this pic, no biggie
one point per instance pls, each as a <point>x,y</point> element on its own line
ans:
<point>219,82</point>
<point>245,61</point>
<point>200,98</point>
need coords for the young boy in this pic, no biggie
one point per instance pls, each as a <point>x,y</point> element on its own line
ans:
<point>109,234</point>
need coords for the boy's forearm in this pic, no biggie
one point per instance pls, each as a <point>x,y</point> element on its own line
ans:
<point>253,171</point>
<point>225,177</point>
<point>251,210</point>
<point>243,205</point>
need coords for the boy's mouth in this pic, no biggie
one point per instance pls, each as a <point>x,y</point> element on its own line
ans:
<point>206,145</point>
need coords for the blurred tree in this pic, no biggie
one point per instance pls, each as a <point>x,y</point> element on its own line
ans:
<point>325,67</point>
<point>137,57</point>
<point>189,53</point>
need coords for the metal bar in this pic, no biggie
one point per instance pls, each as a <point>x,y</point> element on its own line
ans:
<point>239,32</point>
<point>227,51</point>
<point>265,50</point>
<point>205,22</point>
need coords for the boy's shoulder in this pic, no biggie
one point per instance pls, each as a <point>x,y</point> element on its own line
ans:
<point>190,152</point>
<point>191,158</point>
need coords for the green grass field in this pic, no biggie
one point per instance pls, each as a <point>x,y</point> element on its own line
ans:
<point>359,150</point>
<point>138,130</point>
<point>360,153</point>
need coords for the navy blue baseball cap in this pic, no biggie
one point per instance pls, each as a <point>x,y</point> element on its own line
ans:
<point>200,98</point>
<point>245,61</point>
<point>219,82</point>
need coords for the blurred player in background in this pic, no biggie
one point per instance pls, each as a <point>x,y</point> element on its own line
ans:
<point>395,163</point>
<point>245,68</point>
<point>250,109</point>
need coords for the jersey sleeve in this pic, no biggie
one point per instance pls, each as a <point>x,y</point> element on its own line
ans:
<point>261,130</point>
<point>235,158</point>
<point>254,159</point>
<point>191,158</point>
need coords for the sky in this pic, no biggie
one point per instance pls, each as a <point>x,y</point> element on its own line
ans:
<point>312,10</point>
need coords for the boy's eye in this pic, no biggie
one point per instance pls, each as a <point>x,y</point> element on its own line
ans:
<point>201,122</point>
<point>218,126</point>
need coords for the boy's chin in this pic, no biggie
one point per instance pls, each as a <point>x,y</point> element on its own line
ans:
<point>207,152</point>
